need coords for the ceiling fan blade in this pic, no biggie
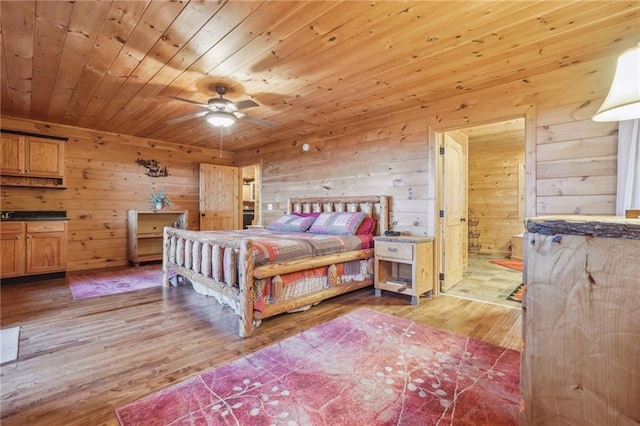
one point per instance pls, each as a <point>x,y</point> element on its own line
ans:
<point>248,103</point>
<point>258,121</point>
<point>177,98</point>
<point>187,117</point>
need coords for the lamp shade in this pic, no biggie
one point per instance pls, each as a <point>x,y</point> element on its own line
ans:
<point>220,118</point>
<point>623,100</point>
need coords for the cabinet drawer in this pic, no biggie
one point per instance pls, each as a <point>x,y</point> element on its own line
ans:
<point>46,226</point>
<point>400,251</point>
<point>11,227</point>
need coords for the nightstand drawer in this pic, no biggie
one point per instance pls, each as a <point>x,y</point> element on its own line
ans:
<point>391,250</point>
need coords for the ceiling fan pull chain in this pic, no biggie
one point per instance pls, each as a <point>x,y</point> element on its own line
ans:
<point>220,130</point>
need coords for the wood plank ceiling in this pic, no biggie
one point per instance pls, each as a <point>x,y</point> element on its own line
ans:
<point>114,65</point>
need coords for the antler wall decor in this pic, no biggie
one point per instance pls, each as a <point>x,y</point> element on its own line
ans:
<point>153,168</point>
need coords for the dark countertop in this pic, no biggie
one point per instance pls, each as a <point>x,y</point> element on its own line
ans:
<point>25,216</point>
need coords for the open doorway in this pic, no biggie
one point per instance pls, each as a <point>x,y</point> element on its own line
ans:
<point>492,181</point>
<point>251,215</point>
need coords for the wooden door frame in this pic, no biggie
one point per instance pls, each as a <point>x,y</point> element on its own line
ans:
<point>528,112</point>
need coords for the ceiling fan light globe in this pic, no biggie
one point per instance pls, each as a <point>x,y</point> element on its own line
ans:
<point>220,118</point>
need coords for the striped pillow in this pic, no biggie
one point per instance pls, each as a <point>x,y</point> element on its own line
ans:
<point>291,223</point>
<point>337,223</point>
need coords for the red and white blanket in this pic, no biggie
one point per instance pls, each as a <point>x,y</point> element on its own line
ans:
<point>274,246</point>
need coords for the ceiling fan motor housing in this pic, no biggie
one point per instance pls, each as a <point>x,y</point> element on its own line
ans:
<point>222,104</point>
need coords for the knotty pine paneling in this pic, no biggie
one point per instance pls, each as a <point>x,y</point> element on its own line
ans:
<point>389,159</point>
<point>395,154</point>
<point>588,185</point>
<point>494,196</point>
<point>577,161</point>
<point>103,182</point>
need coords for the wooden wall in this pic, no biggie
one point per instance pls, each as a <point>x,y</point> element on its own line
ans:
<point>494,190</point>
<point>363,159</point>
<point>573,156</point>
<point>576,168</point>
<point>103,182</point>
<point>396,154</point>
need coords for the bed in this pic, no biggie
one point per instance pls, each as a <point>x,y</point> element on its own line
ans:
<point>260,273</point>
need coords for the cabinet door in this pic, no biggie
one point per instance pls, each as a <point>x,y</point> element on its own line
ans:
<point>12,249</point>
<point>12,148</point>
<point>44,157</point>
<point>46,247</point>
<point>45,253</point>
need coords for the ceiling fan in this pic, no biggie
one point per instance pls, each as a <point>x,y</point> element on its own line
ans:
<point>221,112</point>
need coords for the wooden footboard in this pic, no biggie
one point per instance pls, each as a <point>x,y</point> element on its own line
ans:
<point>226,266</point>
<point>201,259</point>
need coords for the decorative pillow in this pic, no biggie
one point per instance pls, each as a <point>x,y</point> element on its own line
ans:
<point>291,223</point>
<point>367,227</point>
<point>337,223</point>
<point>306,214</point>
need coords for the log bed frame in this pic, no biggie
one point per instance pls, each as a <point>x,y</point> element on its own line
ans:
<point>182,254</point>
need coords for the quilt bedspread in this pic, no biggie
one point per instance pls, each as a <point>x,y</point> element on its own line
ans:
<point>274,246</point>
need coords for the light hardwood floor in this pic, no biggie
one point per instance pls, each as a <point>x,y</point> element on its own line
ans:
<point>79,360</point>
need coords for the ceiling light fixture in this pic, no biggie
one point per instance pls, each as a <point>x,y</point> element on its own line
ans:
<point>220,118</point>
<point>623,100</point>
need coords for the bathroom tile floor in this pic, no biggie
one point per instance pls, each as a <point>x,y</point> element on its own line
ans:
<point>487,282</point>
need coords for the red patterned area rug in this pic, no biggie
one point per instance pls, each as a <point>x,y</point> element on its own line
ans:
<point>508,263</point>
<point>517,294</point>
<point>364,368</point>
<point>102,283</point>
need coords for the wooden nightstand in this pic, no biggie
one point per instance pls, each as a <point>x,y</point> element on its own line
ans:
<point>404,265</point>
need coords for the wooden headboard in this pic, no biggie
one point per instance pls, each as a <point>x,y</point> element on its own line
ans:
<point>376,206</point>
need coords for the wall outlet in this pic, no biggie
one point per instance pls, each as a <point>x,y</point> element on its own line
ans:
<point>269,206</point>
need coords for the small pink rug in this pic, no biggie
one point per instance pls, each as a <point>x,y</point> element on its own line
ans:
<point>364,368</point>
<point>102,283</point>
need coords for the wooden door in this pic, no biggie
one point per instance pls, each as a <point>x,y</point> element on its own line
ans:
<point>220,197</point>
<point>453,199</point>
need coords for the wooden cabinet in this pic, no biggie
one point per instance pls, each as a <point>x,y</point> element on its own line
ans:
<point>145,229</point>
<point>32,248</point>
<point>32,160</point>
<point>404,265</point>
<point>12,156</point>
<point>46,247</point>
